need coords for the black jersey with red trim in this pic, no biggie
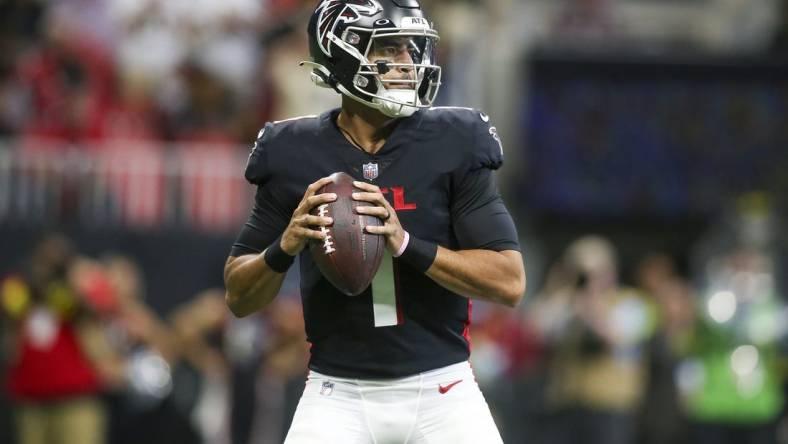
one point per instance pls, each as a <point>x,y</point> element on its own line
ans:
<point>436,170</point>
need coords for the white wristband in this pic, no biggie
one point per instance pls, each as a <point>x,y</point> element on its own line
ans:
<point>403,246</point>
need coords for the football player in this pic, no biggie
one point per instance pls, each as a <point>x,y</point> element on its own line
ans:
<point>377,375</point>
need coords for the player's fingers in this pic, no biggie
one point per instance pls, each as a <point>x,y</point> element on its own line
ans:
<point>374,229</point>
<point>316,185</point>
<point>304,220</point>
<point>375,198</point>
<point>315,221</point>
<point>386,229</point>
<point>318,199</point>
<point>381,212</point>
<point>313,188</point>
<point>366,186</point>
<point>307,233</point>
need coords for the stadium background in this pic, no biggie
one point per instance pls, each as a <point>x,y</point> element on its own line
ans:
<point>657,125</point>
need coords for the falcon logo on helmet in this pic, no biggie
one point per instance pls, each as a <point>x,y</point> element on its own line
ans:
<point>332,12</point>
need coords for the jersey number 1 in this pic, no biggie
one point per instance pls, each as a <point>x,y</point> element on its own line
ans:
<point>385,307</point>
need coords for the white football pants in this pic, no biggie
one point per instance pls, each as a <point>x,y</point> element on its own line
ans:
<point>436,407</point>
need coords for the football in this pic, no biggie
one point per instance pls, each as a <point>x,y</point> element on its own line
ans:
<point>349,257</point>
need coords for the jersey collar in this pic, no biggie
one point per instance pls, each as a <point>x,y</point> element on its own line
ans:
<point>401,134</point>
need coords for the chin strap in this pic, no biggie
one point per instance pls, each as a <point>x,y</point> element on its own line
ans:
<point>403,103</point>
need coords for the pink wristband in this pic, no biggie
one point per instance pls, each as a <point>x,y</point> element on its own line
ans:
<point>403,246</point>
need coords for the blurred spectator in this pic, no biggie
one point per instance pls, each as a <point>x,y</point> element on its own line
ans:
<point>292,94</point>
<point>504,346</point>
<point>596,330</point>
<point>141,407</point>
<point>149,46</point>
<point>199,327</point>
<point>143,325</point>
<point>132,115</point>
<point>730,379</point>
<point>198,61</point>
<point>249,371</point>
<point>662,420</point>
<point>69,79</point>
<point>60,359</point>
<point>157,36</point>
<point>507,362</point>
<point>280,381</point>
<point>207,108</point>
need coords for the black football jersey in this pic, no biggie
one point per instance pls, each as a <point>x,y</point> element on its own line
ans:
<point>436,170</point>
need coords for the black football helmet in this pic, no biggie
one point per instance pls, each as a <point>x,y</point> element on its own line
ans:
<point>356,44</point>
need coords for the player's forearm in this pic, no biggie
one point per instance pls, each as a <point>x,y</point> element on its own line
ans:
<point>152,330</point>
<point>109,364</point>
<point>250,283</point>
<point>482,274</point>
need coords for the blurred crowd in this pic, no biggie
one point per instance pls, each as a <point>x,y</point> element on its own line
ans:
<point>93,70</point>
<point>670,353</point>
<point>212,72</point>
<point>85,360</point>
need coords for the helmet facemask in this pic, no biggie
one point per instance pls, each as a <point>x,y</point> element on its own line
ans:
<point>397,73</point>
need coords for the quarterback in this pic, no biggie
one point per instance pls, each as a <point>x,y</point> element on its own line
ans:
<point>383,376</point>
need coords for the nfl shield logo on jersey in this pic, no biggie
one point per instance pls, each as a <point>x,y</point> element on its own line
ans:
<point>370,171</point>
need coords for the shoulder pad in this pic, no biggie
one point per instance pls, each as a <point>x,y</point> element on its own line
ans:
<point>486,150</point>
<point>257,171</point>
<point>280,133</point>
<point>489,148</point>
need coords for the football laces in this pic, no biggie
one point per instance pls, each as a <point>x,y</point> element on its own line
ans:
<point>328,243</point>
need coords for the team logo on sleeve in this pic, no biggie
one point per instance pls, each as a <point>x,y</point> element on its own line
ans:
<point>254,145</point>
<point>370,170</point>
<point>333,12</point>
<point>494,134</point>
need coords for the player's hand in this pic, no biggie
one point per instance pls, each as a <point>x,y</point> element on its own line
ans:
<point>301,227</point>
<point>391,228</point>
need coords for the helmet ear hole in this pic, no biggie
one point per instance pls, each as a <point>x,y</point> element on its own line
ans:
<point>323,79</point>
<point>366,83</point>
<point>353,38</point>
<point>361,81</point>
<point>319,79</point>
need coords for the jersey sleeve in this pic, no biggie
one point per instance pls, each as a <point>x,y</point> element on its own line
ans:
<point>267,220</point>
<point>269,216</point>
<point>479,217</point>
